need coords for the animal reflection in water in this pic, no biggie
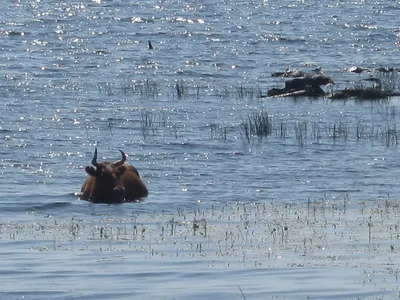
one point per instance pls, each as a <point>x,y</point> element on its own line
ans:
<point>112,182</point>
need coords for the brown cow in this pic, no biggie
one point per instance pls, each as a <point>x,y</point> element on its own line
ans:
<point>115,182</point>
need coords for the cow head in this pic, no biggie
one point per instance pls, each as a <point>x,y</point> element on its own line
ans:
<point>106,179</point>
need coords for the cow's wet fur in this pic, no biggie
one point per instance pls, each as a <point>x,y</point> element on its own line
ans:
<point>112,182</point>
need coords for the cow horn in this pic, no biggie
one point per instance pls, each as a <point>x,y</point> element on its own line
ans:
<point>121,162</point>
<point>94,159</point>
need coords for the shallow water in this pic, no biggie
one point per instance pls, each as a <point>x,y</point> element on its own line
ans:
<point>79,75</point>
<point>319,250</point>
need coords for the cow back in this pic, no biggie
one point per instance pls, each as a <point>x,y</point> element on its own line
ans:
<point>134,186</point>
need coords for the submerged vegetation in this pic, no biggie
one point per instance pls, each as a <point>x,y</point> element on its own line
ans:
<point>177,90</point>
<point>317,232</point>
<point>331,235</point>
<point>153,124</point>
<point>257,125</point>
<point>150,89</point>
<point>145,88</point>
<point>379,85</point>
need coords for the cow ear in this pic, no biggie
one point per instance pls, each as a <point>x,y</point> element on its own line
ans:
<point>121,170</point>
<point>90,170</point>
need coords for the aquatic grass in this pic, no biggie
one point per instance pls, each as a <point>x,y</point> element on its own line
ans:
<point>238,92</point>
<point>323,232</point>
<point>339,130</point>
<point>187,90</point>
<point>283,130</point>
<point>110,126</point>
<point>106,88</point>
<point>256,125</point>
<point>361,131</point>
<point>218,131</point>
<point>180,89</point>
<point>390,135</point>
<point>390,81</point>
<point>246,92</point>
<point>300,129</point>
<point>150,89</point>
<point>153,124</point>
<point>317,131</point>
<point>144,88</point>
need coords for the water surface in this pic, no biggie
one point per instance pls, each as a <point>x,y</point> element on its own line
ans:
<point>79,75</point>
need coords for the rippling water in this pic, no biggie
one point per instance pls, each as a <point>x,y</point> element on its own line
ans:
<point>80,75</point>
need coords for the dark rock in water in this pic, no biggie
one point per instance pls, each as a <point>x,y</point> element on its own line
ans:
<point>306,87</point>
<point>276,92</point>
<point>360,94</point>
<point>387,70</point>
<point>307,83</point>
<point>373,92</point>
<point>310,84</point>
<point>278,74</point>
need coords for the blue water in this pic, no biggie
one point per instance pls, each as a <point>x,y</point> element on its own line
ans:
<point>79,75</point>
